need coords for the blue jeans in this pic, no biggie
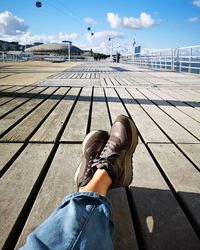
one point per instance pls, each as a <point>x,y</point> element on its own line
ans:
<point>83,221</point>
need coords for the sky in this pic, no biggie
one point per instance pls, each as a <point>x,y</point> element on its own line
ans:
<point>157,24</point>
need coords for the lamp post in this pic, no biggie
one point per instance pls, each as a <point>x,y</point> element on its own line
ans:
<point>111,52</point>
<point>69,43</point>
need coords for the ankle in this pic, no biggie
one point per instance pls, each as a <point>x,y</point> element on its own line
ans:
<point>99,183</point>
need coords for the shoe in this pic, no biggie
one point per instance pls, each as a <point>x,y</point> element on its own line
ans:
<point>116,157</point>
<point>92,147</point>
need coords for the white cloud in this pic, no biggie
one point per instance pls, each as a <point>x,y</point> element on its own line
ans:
<point>13,28</point>
<point>103,36</point>
<point>114,20</point>
<point>144,21</point>
<point>196,3</point>
<point>100,41</point>
<point>89,20</point>
<point>193,19</point>
<point>106,34</point>
<point>29,38</point>
<point>11,25</point>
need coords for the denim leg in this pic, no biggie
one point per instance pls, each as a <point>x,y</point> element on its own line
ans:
<point>83,221</point>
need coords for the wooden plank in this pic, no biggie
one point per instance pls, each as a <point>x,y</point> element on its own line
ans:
<point>125,81</point>
<point>149,131</point>
<point>193,152</point>
<point>188,110</point>
<point>190,95</point>
<point>19,113</point>
<point>170,127</point>
<point>17,183</point>
<point>28,93</point>
<point>115,106</point>
<point>103,82</point>
<point>26,126</point>
<point>51,127</point>
<point>161,222</point>
<point>100,118</point>
<point>114,81</point>
<point>4,87</point>
<point>124,238</point>
<point>187,122</point>
<point>184,177</point>
<point>182,98</point>
<point>77,125</point>
<point>9,94</point>
<point>108,82</point>
<point>7,151</point>
<point>58,183</point>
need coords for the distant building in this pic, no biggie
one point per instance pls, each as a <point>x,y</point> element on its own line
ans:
<point>36,43</point>
<point>7,46</point>
<point>54,48</point>
<point>137,51</point>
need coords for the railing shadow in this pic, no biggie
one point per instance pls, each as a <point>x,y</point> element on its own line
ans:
<point>29,95</point>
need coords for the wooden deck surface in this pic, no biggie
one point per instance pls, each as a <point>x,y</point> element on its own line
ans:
<point>43,125</point>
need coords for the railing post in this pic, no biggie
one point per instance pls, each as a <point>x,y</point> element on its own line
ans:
<point>172,59</point>
<point>190,61</point>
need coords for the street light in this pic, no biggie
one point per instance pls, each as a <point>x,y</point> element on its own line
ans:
<point>111,52</point>
<point>69,43</point>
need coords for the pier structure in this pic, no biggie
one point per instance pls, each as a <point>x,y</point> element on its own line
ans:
<point>44,123</point>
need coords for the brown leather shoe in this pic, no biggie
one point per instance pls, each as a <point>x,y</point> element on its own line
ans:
<point>92,147</point>
<point>116,157</point>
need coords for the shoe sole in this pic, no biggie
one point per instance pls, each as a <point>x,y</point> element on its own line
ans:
<point>128,159</point>
<point>88,136</point>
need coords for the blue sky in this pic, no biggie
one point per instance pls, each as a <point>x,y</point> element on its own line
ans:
<point>153,23</point>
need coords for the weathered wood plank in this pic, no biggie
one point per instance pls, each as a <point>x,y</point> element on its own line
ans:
<point>103,82</point>
<point>9,94</point>
<point>149,131</point>
<point>193,152</point>
<point>174,93</point>
<point>108,81</point>
<point>4,87</point>
<point>114,81</point>
<point>125,81</point>
<point>115,106</point>
<point>19,113</point>
<point>28,93</point>
<point>170,127</point>
<point>58,183</point>
<point>50,128</point>
<point>188,95</point>
<point>184,120</point>
<point>7,151</point>
<point>77,125</point>
<point>162,223</point>
<point>124,238</point>
<point>100,118</point>
<point>184,177</point>
<point>188,110</point>
<point>27,126</point>
<point>17,184</point>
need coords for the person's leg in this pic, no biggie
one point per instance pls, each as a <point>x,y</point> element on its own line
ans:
<point>84,217</point>
<point>83,221</point>
<point>99,184</point>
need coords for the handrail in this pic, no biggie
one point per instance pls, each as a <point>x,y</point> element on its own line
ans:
<point>183,59</point>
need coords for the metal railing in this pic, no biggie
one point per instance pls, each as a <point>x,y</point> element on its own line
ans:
<point>185,59</point>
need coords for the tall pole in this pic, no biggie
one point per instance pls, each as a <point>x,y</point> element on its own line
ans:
<point>69,52</point>
<point>69,45</point>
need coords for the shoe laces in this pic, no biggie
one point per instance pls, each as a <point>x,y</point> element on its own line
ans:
<point>91,168</point>
<point>111,149</point>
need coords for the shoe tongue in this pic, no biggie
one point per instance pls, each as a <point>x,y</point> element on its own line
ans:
<point>115,140</point>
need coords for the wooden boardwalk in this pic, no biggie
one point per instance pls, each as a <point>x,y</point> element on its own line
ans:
<point>43,125</point>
